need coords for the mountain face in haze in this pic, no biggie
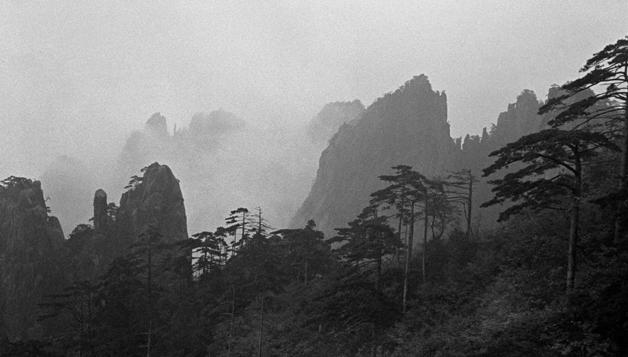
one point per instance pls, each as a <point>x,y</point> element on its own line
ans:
<point>31,245</point>
<point>204,127</point>
<point>408,127</point>
<point>225,163</point>
<point>333,115</point>
<point>205,132</point>
<point>520,119</point>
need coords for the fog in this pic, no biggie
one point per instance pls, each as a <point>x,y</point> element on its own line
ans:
<point>77,77</point>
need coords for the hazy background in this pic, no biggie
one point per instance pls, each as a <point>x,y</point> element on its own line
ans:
<point>76,77</point>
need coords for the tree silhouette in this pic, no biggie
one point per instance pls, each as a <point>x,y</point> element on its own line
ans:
<point>238,221</point>
<point>605,111</point>
<point>306,249</point>
<point>407,189</point>
<point>551,169</point>
<point>459,186</point>
<point>211,249</point>
<point>366,241</point>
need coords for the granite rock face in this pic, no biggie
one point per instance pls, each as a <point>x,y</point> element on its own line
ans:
<point>31,267</point>
<point>155,200</point>
<point>407,127</point>
<point>100,210</point>
<point>520,119</point>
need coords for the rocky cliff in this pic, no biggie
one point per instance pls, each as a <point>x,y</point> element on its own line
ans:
<point>408,127</point>
<point>154,199</point>
<point>519,119</point>
<point>30,257</point>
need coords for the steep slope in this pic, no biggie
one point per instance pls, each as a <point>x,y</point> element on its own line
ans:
<point>30,250</point>
<point>408,127</point>
<point>155,199</point>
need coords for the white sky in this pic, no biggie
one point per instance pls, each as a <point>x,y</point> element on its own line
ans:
<point>77,76</point>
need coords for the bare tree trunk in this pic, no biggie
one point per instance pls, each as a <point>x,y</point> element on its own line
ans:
<point>150,330</point>
<point>573,241</point>
<point>623,176</point>
<point>399,235</point>
<point>401,215</point>
<point>425,235</point>
<point>82,319</point>
<point>470,204</point>
<point>373,343</point>
<point>243,230</point>
<point>150,272</point>
<point>380,284</point>
<point>231,322</point>
<point>573,231</point>
<point>89,313</point>
<point>261,330</point>
<point>408,258</point>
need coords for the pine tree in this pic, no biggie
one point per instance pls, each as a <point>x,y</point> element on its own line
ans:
<point>606,111</point>
<point>550,169</point>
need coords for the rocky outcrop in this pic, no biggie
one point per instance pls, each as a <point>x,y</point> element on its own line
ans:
<point>333,115</point>
<point>100,210</point>
<point>155,199</point>
<point>407,127</point>
<point>90,249</point>
<point>30,264</point>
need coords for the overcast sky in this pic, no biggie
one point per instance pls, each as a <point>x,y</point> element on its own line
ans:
<point>77,76</point>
